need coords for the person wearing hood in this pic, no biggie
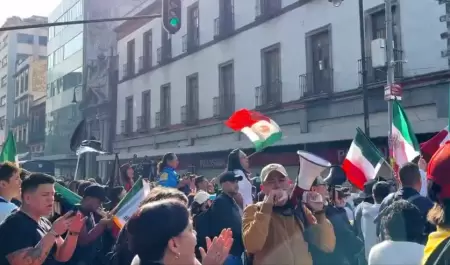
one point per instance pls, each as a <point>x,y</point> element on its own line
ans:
<point>238,163</point>
<point>368,213</point>
<point>436,251</point>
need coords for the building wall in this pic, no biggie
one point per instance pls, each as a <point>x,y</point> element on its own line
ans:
<point>289,30</point>
<point>332,118</point>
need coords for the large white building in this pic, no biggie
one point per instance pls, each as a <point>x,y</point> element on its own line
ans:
<point>16,46</point>
<point>297,61</point>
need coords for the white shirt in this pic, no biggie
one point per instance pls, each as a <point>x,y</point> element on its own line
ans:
<point>245,188</point>
<point>423,178</point>
<point>396,253</point>
<point>5,209</point>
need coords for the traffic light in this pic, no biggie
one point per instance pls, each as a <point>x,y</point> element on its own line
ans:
<point>171,15</point>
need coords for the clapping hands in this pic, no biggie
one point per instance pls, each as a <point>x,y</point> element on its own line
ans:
<point>217,249</point>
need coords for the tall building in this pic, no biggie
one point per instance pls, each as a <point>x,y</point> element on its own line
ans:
<point>16,47</point>
<point>80,58</point>
<point>296,61</point>
<point>30,82</point>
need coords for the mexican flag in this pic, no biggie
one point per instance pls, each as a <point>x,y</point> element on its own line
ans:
<point>261,130</point>
<point>130,203</point>
<point>9,153</point>
<point>363,160</point>
<point>405,146</point>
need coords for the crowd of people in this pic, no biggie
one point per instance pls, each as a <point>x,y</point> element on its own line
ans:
<point>230,219</point>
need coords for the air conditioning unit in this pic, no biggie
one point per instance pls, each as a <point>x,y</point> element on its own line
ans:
<point>378,49</point>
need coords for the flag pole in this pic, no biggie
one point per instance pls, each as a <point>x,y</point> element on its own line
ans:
<point>76,168</point>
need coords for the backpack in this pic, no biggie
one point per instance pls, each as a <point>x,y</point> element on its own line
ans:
<point>441,254</point>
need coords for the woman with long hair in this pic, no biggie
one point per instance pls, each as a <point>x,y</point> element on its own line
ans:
<point>167,176</point>
<point>161,233</point>
<point>238,163</point>
<point>127,176</point>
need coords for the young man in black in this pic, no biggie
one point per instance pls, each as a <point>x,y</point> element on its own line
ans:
<point>28,238</point>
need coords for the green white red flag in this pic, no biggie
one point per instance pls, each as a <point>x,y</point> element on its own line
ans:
<point>363,160</point>
<point>405,146</point>
<point>261,130</point>
<point>130,203</point>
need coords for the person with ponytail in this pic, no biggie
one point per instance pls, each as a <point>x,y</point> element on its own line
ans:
<point>167,176</point>
<point>238,163</point>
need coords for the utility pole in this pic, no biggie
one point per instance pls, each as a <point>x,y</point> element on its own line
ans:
<point>390,68</point>
<point>362,38</point>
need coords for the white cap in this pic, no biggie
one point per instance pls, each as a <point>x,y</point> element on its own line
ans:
<point>201,197</point>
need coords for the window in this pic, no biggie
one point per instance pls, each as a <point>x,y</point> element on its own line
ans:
<point>16,110</point>
<point>43,40</point>
<point>25,38</point>
<point>73,46</point>
<point>4,81</point>
<point>129,114</point>
<point>193,26</point>
<point>226,90</point>
<point>166,47</point>
<point>50,61</point>
<point>165,106</point>
<point>269,93</point>
<point>192,98</point>
<point>226,17</point>
<point>72,79</point>
<point>130,57</point>
<point>25,106</point>
<point>25,136</point>
<point>319,64</point>
<point>146,108</point>
<point>26,77</point>
<point>3,101</point>
<point>58,56</point>
<point>148,47</point>
<point>17,85</point>
<point>267,7</point>
<point>22,57</point>
<point>22,83</point>
<point>5,61</point>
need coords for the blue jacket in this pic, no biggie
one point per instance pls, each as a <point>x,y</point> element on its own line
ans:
<point>168,177</point>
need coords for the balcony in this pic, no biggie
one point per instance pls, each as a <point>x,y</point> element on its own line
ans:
<point>158,120</point>
<point>184,43</point>
<point>316,84</point>
<point>141,123</point>
<point>189,114</point>
<point>269,96</point>
<point>377,76</point>
<point>224,106</point>
<point>124,70</point>
<point>267,9</point>
<point>141,63</point>
<point>224,26</point>
<point>158,55</point>
<point>20,120</point>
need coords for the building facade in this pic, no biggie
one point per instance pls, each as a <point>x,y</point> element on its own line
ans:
<point>36,125</point>
<point>296,61</point>
<point>65,76</point>
<point>15,47</point>
<point>30,82</point>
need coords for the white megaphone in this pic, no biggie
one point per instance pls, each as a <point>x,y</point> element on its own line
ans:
<point>311,166</point>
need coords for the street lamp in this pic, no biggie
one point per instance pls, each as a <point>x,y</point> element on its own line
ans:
<point>337,3</point>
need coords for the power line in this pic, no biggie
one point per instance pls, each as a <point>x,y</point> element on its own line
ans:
<point>54,24</point>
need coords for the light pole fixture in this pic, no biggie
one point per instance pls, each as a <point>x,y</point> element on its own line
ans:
<point>336,3</point>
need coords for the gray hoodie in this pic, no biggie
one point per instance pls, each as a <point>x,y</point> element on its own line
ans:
<point>368,227</point>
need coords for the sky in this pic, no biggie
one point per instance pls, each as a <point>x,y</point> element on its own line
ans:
<point>26,8</point>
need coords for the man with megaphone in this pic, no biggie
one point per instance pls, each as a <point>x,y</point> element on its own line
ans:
<point>274,232</point>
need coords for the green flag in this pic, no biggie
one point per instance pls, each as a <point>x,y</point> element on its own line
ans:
<point>70,197</point>
<point>9,152</point>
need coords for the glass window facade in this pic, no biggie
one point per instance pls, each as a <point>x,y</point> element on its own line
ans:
<point>74,13</point>
<point>73,46</point>
<point>25,38</point>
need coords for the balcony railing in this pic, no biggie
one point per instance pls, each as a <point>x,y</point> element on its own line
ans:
<point>269,95</point>
<point>184,43</point>
<point>189,114</point>
<point>159,55</point>
<point>141,63</point>
<point>141,123</point>
<point>379,75</point>
<point>265,9</point>
<point>316,84</point>
<point>158,120</point>
<point>125,70</point>
<point>224,26</point>
<point>123,127</point>
<point>224,106</point>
